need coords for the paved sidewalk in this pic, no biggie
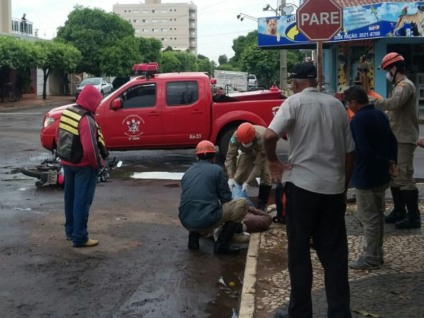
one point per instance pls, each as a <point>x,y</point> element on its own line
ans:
<point>396,290</point>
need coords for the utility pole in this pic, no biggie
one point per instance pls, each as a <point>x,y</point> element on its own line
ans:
<point>283,58</point>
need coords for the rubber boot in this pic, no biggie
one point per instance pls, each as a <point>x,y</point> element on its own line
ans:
<point>398,212</point>
<point>193,240</point>
<point>263,196</point>
<point>222,244</point>
<point>412,219</point>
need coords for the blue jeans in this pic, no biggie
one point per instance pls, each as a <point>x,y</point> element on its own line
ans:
<point>80,185</point>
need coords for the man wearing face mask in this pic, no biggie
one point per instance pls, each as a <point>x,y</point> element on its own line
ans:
<point>246,161</point>
<point>402,109</point>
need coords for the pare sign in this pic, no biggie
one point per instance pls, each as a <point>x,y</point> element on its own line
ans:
<point>319,20</point>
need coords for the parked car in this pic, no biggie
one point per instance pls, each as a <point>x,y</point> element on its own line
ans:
<point>252,82</point>
<point>100,83</point>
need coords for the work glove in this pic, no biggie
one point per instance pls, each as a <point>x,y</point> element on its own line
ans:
<point>245,187</point>
<point>231,183</point>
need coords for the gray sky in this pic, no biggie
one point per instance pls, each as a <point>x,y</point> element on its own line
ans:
<point>217,20</point>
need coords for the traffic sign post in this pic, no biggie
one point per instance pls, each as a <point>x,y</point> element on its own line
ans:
<point>319,21</point>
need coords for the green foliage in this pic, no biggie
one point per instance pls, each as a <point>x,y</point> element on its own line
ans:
<point>263,63</point>
<point>222,59</point>
<point>149,49</point>
<point>17,54</point>
<point>174,61</point>
<point>118,60</point>
<point>240,43</point>
<point>227,67</point>
<point>56,56</point>
<point>169,62</point>
<point>92,31</point>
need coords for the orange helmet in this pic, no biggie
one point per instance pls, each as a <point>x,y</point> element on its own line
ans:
<point>246,133</point>
<point>204,147</point>
<point>390,59</point>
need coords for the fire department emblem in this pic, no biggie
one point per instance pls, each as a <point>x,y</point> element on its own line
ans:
<point>132,124</point>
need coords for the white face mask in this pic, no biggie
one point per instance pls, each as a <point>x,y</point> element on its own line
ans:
<point>247,145</point>
<point>389,77</point>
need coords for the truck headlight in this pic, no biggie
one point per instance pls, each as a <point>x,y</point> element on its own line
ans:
<point>48,121</point>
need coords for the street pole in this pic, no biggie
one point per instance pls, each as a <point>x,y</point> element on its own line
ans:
<point>283,59</point>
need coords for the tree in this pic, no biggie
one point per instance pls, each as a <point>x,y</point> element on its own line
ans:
<point>240,43</point>
<point>149,49</point>
<point>92,31</point>
<point>57,56</point>
<point>178,62</point>
<point>169,62</point>
<point>120,66</point>
<point>222,59</point>
<point>205,65</point>
<point>265,64</point>
<point>18,55</point>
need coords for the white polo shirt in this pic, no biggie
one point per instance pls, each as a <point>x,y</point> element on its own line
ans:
<point>319,138</point>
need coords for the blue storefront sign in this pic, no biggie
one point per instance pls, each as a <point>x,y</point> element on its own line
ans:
<point>365,22</point>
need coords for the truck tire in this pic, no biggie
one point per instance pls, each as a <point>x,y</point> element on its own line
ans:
<point>224,140</point>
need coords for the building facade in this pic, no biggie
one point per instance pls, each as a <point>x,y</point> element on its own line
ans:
<point>174,24</point>
<point>370,30</point>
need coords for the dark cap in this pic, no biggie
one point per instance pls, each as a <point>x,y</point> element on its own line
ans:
<point>304,71</point>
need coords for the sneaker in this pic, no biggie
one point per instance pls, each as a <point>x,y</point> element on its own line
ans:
<point>243,237</point>
<point>89,243</point>
<point>362,264</point>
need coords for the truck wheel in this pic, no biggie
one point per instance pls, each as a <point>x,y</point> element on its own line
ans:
<point>224,141</point>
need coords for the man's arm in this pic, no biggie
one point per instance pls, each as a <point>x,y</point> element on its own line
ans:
<point>400,96</point>
<point>276,167</point>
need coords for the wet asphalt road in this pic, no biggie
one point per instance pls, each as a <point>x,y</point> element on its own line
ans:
<point>141,268</point>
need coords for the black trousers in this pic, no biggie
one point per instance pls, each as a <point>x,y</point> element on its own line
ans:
<point>322,218</point>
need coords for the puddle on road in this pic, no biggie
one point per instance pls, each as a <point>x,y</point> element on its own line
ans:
<point>22,209</point>
<point>158,175</point>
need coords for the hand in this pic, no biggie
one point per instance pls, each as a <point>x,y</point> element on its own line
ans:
<point>393,169</point>
<point>276,170</point>
<point>420,142</point>
<point>231,183</point>
<point>245,187</point>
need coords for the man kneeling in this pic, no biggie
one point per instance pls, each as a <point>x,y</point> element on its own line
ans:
<point>206,202</point>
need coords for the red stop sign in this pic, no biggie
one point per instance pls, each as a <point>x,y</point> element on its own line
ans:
<point>319,20</point>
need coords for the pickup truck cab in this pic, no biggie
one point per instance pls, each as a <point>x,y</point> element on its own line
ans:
<point>170,111</point>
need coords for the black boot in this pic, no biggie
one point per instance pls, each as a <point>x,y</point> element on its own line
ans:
<point>412,219</point>
<point>398,212</point>
<point>193,240</point>
<point>222,244</point>
<point>263,196</point>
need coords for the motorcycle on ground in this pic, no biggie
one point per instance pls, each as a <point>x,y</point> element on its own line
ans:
<point>50,172</point>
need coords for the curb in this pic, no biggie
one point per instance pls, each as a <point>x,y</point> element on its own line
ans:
<point>247,302</point>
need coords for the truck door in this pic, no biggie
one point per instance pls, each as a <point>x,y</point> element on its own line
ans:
<point>138,124</point>
<point>186,113</point>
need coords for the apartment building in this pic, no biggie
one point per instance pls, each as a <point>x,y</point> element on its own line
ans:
<point>174,24</point>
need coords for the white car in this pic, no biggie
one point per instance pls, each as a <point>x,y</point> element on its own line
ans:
<point>100,83</point>
<point>252,82</point>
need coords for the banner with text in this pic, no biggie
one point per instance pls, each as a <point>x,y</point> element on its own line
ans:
<point>365,22</point>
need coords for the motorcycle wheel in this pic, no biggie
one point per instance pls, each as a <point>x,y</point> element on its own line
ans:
<point>34,171</point>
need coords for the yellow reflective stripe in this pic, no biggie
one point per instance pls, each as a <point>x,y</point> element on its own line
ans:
<point>69,128</point>
<point>72,114</point>
<point>102,142</point>
<point>69,121</point>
